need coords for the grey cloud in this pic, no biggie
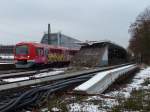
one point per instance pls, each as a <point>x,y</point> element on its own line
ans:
<point>83,19</point>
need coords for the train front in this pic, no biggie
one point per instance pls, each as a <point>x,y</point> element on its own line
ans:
<point>23,56</point>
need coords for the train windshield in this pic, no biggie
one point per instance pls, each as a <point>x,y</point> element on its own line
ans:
<point>22,49</point>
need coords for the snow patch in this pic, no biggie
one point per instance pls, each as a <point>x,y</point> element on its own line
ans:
<point>16,79</point>
<point>34,76</point>
<point>135,85</point>
<point>5,63</point>
<point>48,74</point>
<point>54,109</point>
<point>85,107</point>
<point>108,103</point>
<point>7,57</point>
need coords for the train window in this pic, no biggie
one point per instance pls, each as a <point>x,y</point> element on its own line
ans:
<point>46,52</point>
<point>61,51</point>
<point>22,49</point>
<point>53,50</point>
<point>58,51</point>
<point>40,51</point>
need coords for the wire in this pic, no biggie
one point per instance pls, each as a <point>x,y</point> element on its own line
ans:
<point>32,95</point>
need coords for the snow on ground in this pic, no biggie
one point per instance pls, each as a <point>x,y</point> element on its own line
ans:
<point>108,103</point>
<point>136,83</point>
<point>84,107</point>
<point>6,59</point>
<point>35,76</point>
<point>59,69</point>
<point>54,109</point>
<point>7,56</point>
<point>5,63</point>
<point>16,79</point>
<point>48,74</point>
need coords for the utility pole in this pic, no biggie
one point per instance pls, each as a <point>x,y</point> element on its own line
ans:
<point>49,33</point>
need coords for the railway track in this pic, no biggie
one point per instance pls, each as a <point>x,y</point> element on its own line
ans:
<point>61,81</point>
<point>35,94</point>
<point>22,73</point>
<point>7,68</point>
<point>26,78</point>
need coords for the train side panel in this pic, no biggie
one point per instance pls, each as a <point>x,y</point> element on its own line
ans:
<point>30,54</point>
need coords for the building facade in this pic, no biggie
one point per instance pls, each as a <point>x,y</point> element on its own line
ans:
<point>6,49</point>
<point>59,39</point>
<point>100,54</point>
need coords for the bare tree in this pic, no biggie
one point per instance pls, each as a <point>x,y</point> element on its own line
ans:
<point>139,43</point>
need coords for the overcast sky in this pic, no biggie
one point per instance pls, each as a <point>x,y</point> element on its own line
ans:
<point>26,20</point>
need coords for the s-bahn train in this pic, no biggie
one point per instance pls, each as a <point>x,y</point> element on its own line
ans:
<point>28,54</point>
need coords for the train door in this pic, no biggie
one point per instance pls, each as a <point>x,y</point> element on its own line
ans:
<point>46,52</point>
<point>40,55</point>
<point>66,55</point>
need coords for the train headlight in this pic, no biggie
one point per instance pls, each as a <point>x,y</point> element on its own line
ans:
<point>28,56</point>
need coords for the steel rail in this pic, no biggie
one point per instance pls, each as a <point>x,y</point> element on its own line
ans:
<point>45,70</point>
<point>58,83</point>
<point>23,99</point>
<point>27,97</point>
<point>54,77</point>
<point>22,73</point>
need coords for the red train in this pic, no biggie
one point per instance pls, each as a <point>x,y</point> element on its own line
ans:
<point>28,54</point>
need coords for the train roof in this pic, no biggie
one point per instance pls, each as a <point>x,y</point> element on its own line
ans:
<point>44,45</point>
